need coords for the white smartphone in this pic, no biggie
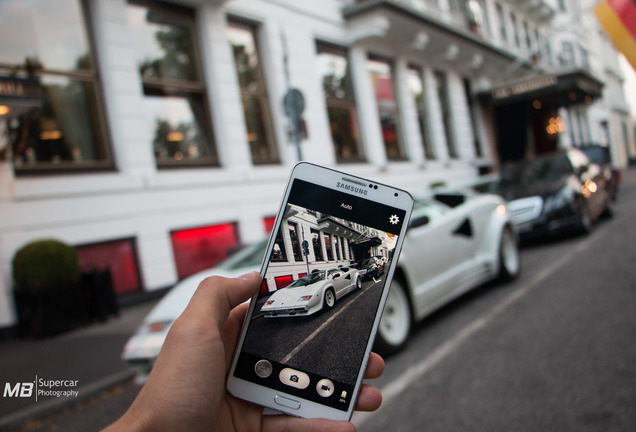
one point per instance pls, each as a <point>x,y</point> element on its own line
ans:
<point>327,269</point>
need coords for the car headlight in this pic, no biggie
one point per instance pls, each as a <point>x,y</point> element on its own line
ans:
<point>561,199</point>
<point>155,327</point>
<point>304,298</point>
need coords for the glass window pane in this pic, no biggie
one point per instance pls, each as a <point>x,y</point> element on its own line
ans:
<point>333,69</point>
<point>164,44</point>
<point>260,135</point>
<point>382,78</point>
<point>245,57</point>
<point>442,93</point>
<point>343,125</point>
<point>49,33</point>
<point>336,84</point>
<point>58,127</point>
<point>178,128</point>
<point>416,85</point>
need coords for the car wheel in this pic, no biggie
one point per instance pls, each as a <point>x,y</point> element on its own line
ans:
<point>609,207</point>
<point>330,299</point>
<point>395,326</point>
<point>509,257</point>
<point>585,220</point>
<point>358,284</point>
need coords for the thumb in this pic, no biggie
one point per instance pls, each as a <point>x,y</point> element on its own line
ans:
<point>216,296</point>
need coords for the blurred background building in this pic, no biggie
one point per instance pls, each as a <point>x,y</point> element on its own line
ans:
<point>153,137</point>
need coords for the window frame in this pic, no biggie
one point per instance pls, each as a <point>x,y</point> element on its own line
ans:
<point>261,94</point>
<point>169,87</point>
<point>99,121</point>
<point>348,103</point>
<point>393,113</point>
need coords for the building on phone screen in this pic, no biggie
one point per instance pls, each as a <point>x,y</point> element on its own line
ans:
<point>156,136</point>
<point>309,240</point>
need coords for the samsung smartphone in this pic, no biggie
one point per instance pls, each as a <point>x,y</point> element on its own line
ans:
<point>326,274</point>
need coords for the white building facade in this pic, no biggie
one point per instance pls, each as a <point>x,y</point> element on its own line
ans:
<point>153,136</point>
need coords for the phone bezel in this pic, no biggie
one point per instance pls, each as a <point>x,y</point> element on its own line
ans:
<point>376,192</point>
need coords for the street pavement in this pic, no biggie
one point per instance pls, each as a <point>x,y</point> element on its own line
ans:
<point>84,362</point>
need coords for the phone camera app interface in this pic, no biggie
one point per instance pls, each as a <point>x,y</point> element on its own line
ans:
<point>322,287</point>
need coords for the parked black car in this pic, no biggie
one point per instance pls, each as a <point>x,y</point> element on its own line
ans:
<point>556,193</point>
<point>370,267</point>
<point>600,155</point>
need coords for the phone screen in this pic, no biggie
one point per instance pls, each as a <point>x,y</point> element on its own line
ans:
<point>322,286</point>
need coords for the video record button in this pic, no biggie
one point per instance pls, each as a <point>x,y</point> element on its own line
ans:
<point>325,387</point>
<point>286,402</point>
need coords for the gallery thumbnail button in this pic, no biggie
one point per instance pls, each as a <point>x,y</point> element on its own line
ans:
<point>294,378</point>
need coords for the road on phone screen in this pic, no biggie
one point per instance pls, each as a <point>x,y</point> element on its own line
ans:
<point>326,343</point>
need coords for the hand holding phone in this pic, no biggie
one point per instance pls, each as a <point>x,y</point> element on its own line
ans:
<point>326,273</point>
<point>186,389</point>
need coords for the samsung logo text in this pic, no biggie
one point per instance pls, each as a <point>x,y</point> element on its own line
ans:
<point>353,189</point>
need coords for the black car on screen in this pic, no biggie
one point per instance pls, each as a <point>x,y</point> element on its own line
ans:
<point>370,267</point>
<point>552,194</point>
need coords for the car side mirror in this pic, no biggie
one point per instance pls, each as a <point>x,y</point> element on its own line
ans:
<point>419,221</point>
<point>336,276</point>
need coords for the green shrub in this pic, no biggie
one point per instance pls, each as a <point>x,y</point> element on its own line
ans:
<point>44,265</point>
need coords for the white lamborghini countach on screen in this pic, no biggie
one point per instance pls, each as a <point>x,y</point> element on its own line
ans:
<point>313,292</point>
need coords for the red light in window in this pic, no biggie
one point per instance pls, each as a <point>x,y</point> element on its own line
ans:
<point>118,256</point>
<point>269,223</point>
<point>197,249</point>
<point>283,281</point>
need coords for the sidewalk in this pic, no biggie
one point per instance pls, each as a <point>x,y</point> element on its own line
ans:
<point>83,362</point>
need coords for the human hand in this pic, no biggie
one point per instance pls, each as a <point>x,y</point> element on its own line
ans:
<point>186,388</point>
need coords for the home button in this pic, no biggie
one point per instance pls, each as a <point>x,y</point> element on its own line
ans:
<point>286,402</point>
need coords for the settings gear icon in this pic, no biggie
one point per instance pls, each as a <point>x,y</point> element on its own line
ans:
<point>393,219</point>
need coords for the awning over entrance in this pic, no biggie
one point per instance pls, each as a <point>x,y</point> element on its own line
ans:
<point>563,89</point>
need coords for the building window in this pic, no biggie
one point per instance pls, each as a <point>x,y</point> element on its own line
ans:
<point>381,71</point>
<point>442,93</point>
<point>563,5</point>
<point>174,92</point>
<point>515,29</point>
<point>333,68</point>
<point>416,85</point>
<point>328,246</point>
<point>567,54</point>
<point>279,253</point>
<point>51,114</point>
<point>317,245</point>
<point>501,20</point>
<point>197,249</point>
<point>260,134</point>
<point>268,223</point>
<point>283,281</point>
<point>118,257</point>
<point>295,241</point>
<point>473,116</point>
<point>526,35</point>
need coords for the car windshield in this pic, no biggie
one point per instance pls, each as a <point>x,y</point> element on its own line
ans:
<point>365,263</point>
<point>599,155</point>
<point>308,280</point>
<point>249,256</point>
<point>542,169</point>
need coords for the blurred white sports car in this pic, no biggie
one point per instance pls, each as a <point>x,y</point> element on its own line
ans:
<point>455,242</point>
<point>313,292</point>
